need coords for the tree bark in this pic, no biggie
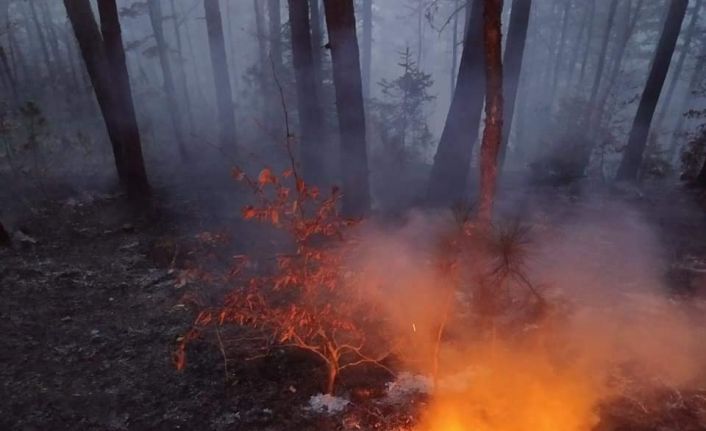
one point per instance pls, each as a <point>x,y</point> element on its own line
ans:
<point>310,113</point>
<point>155,12</point>
<point>688,36</point>
<point>133,163</point>
<point>513,58</point>
<point>275,21</point>
<point>343,42</point>
<point>589,39</point>
<point>593,109</point>
<point>181,69</point>
<point>701,179</point>
<point>221,78</point>
<point>449,174</point>
<point>632,159</point>
<point>696,78</point>
<point>41,38</point>
<point>317,41</point>
<point>454,49</point>
<point>367,50</point>
<point>94,56</point>
<point>492,134</point>
<point>4,236</point>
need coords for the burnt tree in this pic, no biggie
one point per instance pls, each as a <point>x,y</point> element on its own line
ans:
<point>317,40</point>
<point>136,177</point>
<point>343,42</point>
<point>221,78</point>
<point>310,113</point>
<point>512,63</point>
<point>98,67</point>
<point>492,134</point>
<point>275,29</point>
<point>4,236</point>
<point>447,182</point>
<point>632,158</point>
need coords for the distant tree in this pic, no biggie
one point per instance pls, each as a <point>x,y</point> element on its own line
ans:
<point>343,42</point>
<point>221,77</point>
<point>401,109</point>
<point>181,70</point>
<point>317,40</point>
<point>99,70</point>
<point>492,134</point>
<point>367,50</point>
<point>632,159</point>
<point>447,182</point>
<point>156,19</point>
<point>127,120</point>
<point>512,64</point>
<point>602,58</point>
<point>275,26</point>
<point>310,112</point>
<point>694,83</point>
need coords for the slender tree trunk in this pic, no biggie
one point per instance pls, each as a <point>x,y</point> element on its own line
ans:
<point>565,18</point>
<point>367,50</point>
<point>454,49</point>
<point>181,69</point>
<point>701,179</point>
<point>156,17</point>
<point>275,21</point>
<point>694,83</point>
<point>449,174</point>
<point>317,41</point>
<point>593,109</point>
<point>92,49</point>
<point>513,58</point>
<point>54,46</point>
<point>310,113</point>
<point>41,38</point>
<point>133,164</point>
<point>676,75</point>
<point>632,158</point>
<point>9,77</point>
<point>4,236</point>
<point>589,39</point>
<point>573,60</point>
<point>262,51</point>
<point>492,134</point>
<point>343,42</point>
<point>221,77</point>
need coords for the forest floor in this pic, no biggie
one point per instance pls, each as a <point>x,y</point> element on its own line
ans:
<point>91,312</point>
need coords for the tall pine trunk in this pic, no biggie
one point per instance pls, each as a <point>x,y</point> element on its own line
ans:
<point>221,78</point>
<point>133,163</point>
<point>449,174</point>
<point>98,66</point>
<point>317,41</point>
<point>632,158</point>
<point>181,69</point>
<point>310,113</point>
<point>343,42</point>
<point>275,22</point>
<point>492,134</point>
<point>688,36</point>
<point>513,58</point>
<point>156,17</point>
<point>602,57</point>
<point>367,51</point>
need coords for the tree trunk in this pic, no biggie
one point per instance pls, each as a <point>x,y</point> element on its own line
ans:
<point>589,39</point>
<point>275,21</point>
<point>593,109</point>
<point>133,163</point>
<point>492,134</point>
<point>454,49</point>
<point>221,78</point>
<point>54,46</point>
<point>694,82</point>
<point>701,179</point>
<point>514,55</point>
<point>181,69</point>
<point>9,77</point>
<point>41,38</point>
<point>155,11</point>
<point>449,174</point>
<point>317,41</point>
<point>262,51</point>
<point>565,18</point>
<point>688,36</point>
<point>94,56</point>
<point>310,113</point>
<point>343,42</point>
<point>632,158</point>
<point>4,236</point>
<point>367,50</point>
